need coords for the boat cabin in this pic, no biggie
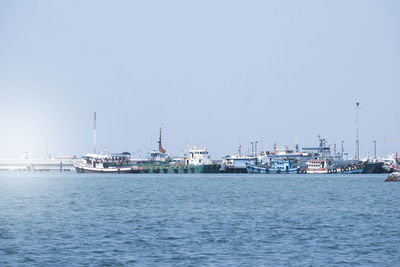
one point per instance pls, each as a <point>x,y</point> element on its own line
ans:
<point>107,160</point>
<point>283,165</point>
<point>197,156</point>
<point>318,164</point>
<point>158,157</point>
<point>238,161</point>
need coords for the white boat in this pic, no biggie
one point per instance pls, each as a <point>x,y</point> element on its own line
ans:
<point>106,163</point>
<point>319,166</point>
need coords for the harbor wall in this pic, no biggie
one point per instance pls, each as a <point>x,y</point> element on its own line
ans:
<point>56,164</point>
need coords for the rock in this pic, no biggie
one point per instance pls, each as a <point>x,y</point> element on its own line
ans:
<point>393,177</point>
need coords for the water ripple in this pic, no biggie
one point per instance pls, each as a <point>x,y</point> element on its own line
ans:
<point>73,220</point>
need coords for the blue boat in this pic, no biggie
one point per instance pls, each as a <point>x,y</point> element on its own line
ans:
<point>354,168</point>
<point>287,165</point>
<point>253,168</point>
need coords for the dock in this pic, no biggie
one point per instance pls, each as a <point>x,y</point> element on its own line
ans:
<point>60,164</point>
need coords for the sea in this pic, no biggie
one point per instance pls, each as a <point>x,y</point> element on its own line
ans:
<point>69,219</point>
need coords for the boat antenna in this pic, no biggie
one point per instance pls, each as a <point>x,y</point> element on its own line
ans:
<point>94,133</point>
<point>160,148</point>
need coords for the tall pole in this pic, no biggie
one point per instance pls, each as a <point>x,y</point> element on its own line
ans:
<point>375,149</point>
<point>342,148</point>
<point>357,141</point>
<point>255,149</point>
<point>94,133</point>
<point>252,148</point>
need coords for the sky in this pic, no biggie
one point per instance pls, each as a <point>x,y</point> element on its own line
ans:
<point>213,73</point>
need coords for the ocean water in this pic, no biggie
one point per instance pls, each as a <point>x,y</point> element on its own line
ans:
<point>66,219</point>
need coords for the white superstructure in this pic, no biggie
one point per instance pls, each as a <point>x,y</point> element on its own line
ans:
<point>197,156</point>
<point>318,166</point>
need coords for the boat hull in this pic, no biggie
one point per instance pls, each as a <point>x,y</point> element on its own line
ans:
<point>352,171</point>
<point>316,171</point>
<point>374,167</point>
<point>234,170</point>
<point>178,169</point>
<point>85,169</point>
<point>319,171</point>
<point>251,168</point>
<point>256,169</point>
<point>151,168</point>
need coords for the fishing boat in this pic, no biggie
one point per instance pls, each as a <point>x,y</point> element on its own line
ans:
<point>237,164</point>
<point>319,166</point>
<point>253,168</point>
<point>350,169</point>
<point>106,163</point>
<point>197,160</point>
<point>287,165</point>
<point>284,165</point>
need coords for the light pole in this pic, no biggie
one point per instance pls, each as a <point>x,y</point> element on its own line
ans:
<point>255,145</point>
<point>94,133</point>
<point>252,148</point>
<point>342,148</point>
<point>374,149</point>
<point>357,141</point>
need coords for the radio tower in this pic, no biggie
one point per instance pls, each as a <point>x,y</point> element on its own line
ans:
<point>94,133</point>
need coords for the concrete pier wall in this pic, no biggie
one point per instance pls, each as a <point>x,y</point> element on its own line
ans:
<point>56,164</point>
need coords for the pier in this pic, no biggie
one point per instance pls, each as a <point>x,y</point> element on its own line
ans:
<point>55,164</point>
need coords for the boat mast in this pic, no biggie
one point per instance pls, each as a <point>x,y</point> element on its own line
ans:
<point>94,133</point>
<point>160,148</point>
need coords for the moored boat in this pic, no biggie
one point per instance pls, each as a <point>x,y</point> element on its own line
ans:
<point>285,165</point>
<point>237,164</point>
<point>253,168</point>
<point>350,169</point>
<point>197,160</point>
<point>106,163</point>
<point>319,166</point>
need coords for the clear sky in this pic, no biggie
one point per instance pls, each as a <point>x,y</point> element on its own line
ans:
<point>214,73</point>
